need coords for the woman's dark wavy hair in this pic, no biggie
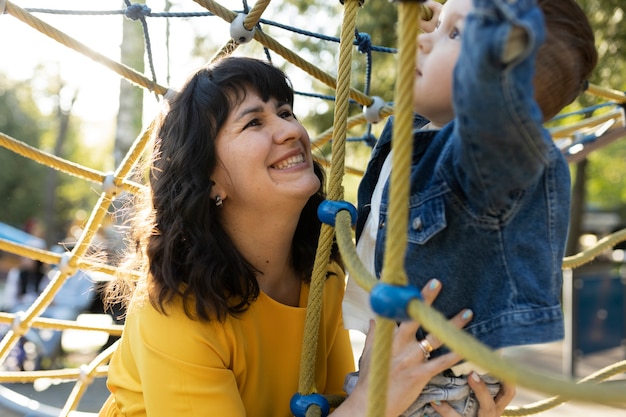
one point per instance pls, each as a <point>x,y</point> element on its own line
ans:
<point>189,254</point>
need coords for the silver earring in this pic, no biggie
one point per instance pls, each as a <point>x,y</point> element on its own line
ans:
<point>218,201</point>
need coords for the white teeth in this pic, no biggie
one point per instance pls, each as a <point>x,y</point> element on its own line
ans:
<point>289,162</point>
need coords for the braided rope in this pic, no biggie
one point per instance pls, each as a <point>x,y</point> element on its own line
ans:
<point>335,192</point>
<point>327,135</point>
<point>590,254</point>
<point>616,115</point>
<point>86,378</point>
<point>540,406</point>
<point>30,319</point>
<point>395,245</point>
<point>61,164</point>
<point>55,324</point>
<point>516,373</point>
<point>123,70</point>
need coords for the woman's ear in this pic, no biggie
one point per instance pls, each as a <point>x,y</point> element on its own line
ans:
<point>217,191</point>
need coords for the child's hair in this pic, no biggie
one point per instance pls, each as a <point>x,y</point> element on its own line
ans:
<point>566,59</point>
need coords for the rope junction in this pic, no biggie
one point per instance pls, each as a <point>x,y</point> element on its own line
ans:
<point>576,141</point>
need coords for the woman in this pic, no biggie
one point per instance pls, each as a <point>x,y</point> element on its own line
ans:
<point>227,242</point>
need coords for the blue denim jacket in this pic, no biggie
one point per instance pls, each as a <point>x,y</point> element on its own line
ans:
<point>490,192</point>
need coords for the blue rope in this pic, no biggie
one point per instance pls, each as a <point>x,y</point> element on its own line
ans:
<point>585,111</point>
<point>139,12</point>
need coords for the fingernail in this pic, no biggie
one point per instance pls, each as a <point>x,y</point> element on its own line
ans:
<point>467,314</point>
<point>475,377</point>
<point>437,402</point>
<point>434,284</point>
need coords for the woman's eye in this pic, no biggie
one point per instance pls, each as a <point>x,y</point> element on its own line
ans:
<point>285,114</point>
<point>455,33</point>
<point>252,123</point>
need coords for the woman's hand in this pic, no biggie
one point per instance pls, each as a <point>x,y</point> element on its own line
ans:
<point>409,366</point>
<point>487,406</point>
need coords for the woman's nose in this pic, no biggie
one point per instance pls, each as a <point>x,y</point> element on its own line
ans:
<point>286,129</point>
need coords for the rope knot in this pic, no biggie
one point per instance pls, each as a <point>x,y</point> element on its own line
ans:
<point>369,139</point>
<point>137,11</point>
<point>364,42</point>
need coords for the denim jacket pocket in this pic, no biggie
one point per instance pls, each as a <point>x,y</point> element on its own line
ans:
<point>426,219</point>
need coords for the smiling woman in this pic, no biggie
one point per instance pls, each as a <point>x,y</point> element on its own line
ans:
<point>226,244</point>
<point>228,252</point>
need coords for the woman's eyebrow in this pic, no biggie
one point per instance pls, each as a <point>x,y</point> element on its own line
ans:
<point>248,110</point>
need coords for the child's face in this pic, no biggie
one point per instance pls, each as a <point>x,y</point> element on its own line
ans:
<point>437,54</point>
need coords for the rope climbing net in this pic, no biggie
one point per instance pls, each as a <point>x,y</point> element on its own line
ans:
<point>578,139</point>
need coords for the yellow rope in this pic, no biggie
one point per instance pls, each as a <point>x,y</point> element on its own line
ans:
<point>395,246</point>
<point>615,95</point>
<point>126,72</point>
<point>22,377</point>
<point>540,406</point>
<point>588,255</point>
<point>86,378</point>
<point>565,131</point>
<point>55,324</point>
<point>327,135</point>
<point>335,192</point>
<point>507,370</point>
<point>60,164</point>
<point>393,270</point>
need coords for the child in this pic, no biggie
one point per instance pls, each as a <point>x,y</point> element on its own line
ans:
<point>490,192</point>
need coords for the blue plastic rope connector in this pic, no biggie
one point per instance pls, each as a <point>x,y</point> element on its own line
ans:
<point>392,301</point>
<point>300,403</point>
<point>328,209</point>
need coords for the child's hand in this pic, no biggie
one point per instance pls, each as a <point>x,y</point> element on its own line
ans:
<point>429,24</point>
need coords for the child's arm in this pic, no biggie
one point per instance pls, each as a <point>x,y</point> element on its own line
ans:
<point>500,145</point>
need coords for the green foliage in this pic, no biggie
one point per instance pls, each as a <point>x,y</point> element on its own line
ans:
<point>21,180</point>
<point>606,180</point>
<point>31,191</point>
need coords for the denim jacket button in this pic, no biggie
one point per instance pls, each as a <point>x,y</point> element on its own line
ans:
<point>417,223</point>
<point>381,225</point>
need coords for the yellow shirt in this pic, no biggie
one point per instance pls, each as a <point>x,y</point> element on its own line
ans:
<point>170,365</point>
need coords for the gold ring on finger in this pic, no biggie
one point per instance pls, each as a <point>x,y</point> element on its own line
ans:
<point>426,347</point>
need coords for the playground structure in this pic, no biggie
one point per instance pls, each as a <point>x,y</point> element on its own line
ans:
<point>576,140</point>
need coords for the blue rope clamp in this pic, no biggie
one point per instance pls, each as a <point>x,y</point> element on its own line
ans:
<point>299,404</point>
<point>328,209</point>
<point>392,301</point>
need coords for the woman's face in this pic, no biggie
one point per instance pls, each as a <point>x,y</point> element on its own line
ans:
<point>264,157</point>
